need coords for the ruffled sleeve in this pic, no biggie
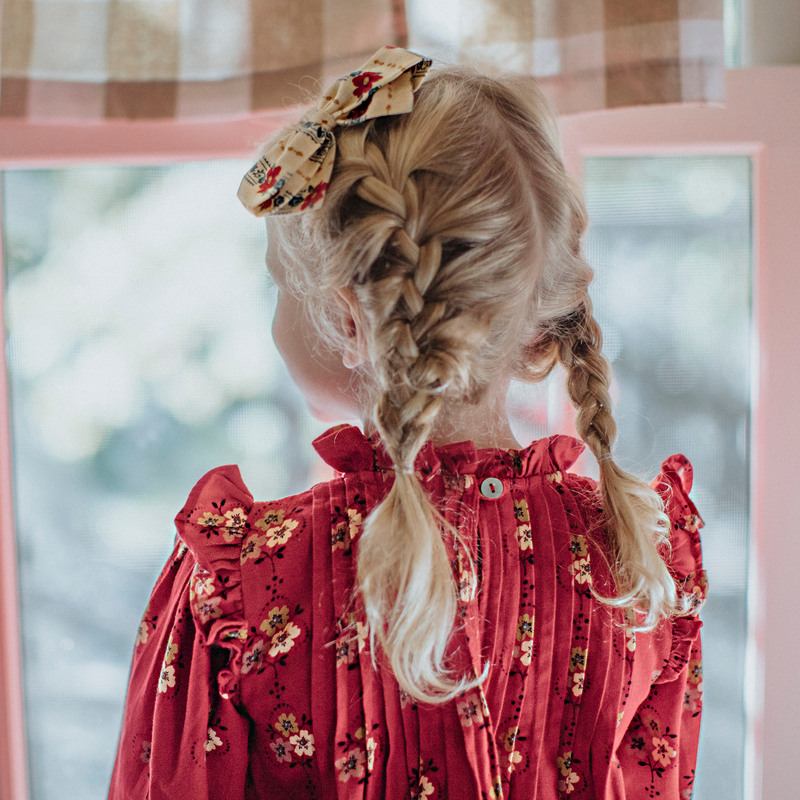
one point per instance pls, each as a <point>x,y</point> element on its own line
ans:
<point>183,734</point>
<point>658,752</point>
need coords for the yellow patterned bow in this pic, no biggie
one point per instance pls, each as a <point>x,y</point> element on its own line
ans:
<point>294,173</point>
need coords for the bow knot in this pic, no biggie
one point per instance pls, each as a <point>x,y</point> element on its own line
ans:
<point>294,173</point>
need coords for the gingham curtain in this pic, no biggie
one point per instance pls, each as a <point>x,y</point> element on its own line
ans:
<point>594,54</point>
<point>83,60</point>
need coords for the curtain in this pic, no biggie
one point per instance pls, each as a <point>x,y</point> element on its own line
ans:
<point>87,60</point>
<point>82,60</point>
<point>587,54</point>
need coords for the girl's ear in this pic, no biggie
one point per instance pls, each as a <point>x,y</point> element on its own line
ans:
<point>354,329</point>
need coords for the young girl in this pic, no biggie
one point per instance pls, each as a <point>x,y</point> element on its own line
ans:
<point>453,615</point>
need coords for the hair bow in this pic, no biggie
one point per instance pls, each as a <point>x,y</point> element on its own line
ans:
<point>293,175</point>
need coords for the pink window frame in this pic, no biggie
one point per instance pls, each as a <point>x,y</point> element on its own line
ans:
<point>759,120</point>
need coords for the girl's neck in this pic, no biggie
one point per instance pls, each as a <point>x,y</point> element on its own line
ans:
<point>486,424</point>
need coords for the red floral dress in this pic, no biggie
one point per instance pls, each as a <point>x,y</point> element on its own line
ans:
<point>252,675</point>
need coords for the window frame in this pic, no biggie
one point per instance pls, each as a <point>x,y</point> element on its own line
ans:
<point>755,121</point>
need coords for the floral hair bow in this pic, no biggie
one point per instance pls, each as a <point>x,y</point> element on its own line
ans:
<point>293,174</point>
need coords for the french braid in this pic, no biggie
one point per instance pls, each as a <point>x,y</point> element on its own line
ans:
<point>420,350</point>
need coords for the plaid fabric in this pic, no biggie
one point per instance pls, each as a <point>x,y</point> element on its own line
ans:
<point>587,54</point>
<point>82,60</point>
<point>188,59</point>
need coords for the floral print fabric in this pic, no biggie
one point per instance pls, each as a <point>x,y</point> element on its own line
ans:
<point>253,676</point>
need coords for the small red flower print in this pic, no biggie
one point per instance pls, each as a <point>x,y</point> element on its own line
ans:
<point>213,741</point>
<point>525,627</point>
<point>283,640</point>
<point>303,743</point>
<point>208,609</point>
<point>340,538</point>
<point>521,511</point>
<point>270,179</point>
<point>469,709</point>
<point>314,196</point>
<point>577,545</point>
<point>513,759</point>
<point>577,659</point>
<point>345,653</point>
<point>567,784</point>
<point>524,536</point>
<point>253,658</point>
<point>692,698</point>
<point>145,755</point>
<point>372,746</point>
<point>282,750</point>
<point>565,763</point>
<point>525,653</point>
<point>651,724</point>
<point>141,637</point>
<point>275,621</point>
<point>166,680</point>
<point>578,681</point>
<point>582,570</point>
<point>203,585</point>
<point>210,520</point>
<point>286,724</point>
<point>690,523</point>
<point>662,751</point>
<point>172,650</point>
<point>696,671</point>
<point>252,547</point>
<point>351,764</point>
<point>273,517</point>
<point>424,789</point>
<point>280,534</point>
<point>362,83</point>
<point>355,521</point>
<point>266,205</point>
<point>509,740</point>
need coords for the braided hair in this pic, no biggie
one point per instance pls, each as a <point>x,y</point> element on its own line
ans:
<point>459,233</point>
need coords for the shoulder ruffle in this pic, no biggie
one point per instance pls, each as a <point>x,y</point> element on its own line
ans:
<point>213,525</point>
<point>685,560</point>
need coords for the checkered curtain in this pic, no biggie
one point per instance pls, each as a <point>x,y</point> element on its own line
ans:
<point>589,54</point>
<point>83,60</point>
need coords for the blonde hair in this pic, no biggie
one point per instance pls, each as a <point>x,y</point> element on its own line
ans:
<point>460,233</point>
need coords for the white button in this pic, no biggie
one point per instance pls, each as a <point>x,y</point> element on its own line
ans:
<point>492,488</point>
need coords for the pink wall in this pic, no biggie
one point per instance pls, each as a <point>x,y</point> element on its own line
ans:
<point>761,117</point>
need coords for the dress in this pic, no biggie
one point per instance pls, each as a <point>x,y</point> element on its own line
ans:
<point>252,676</point>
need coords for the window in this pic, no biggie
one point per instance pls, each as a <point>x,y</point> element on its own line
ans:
<point>756,127</point>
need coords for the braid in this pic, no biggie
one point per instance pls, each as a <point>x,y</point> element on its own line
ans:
<point>419,351</point>
<point>636,521</point>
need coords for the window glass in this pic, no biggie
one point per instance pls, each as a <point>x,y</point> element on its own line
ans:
<point>670,240</point>
<point>140,356</point>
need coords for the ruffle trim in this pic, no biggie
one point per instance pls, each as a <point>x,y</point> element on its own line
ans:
<point>214,524</point>
<point>685,560</point>
<point>347,449</point>
<point>686,557</point>
<point>684,633</point>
